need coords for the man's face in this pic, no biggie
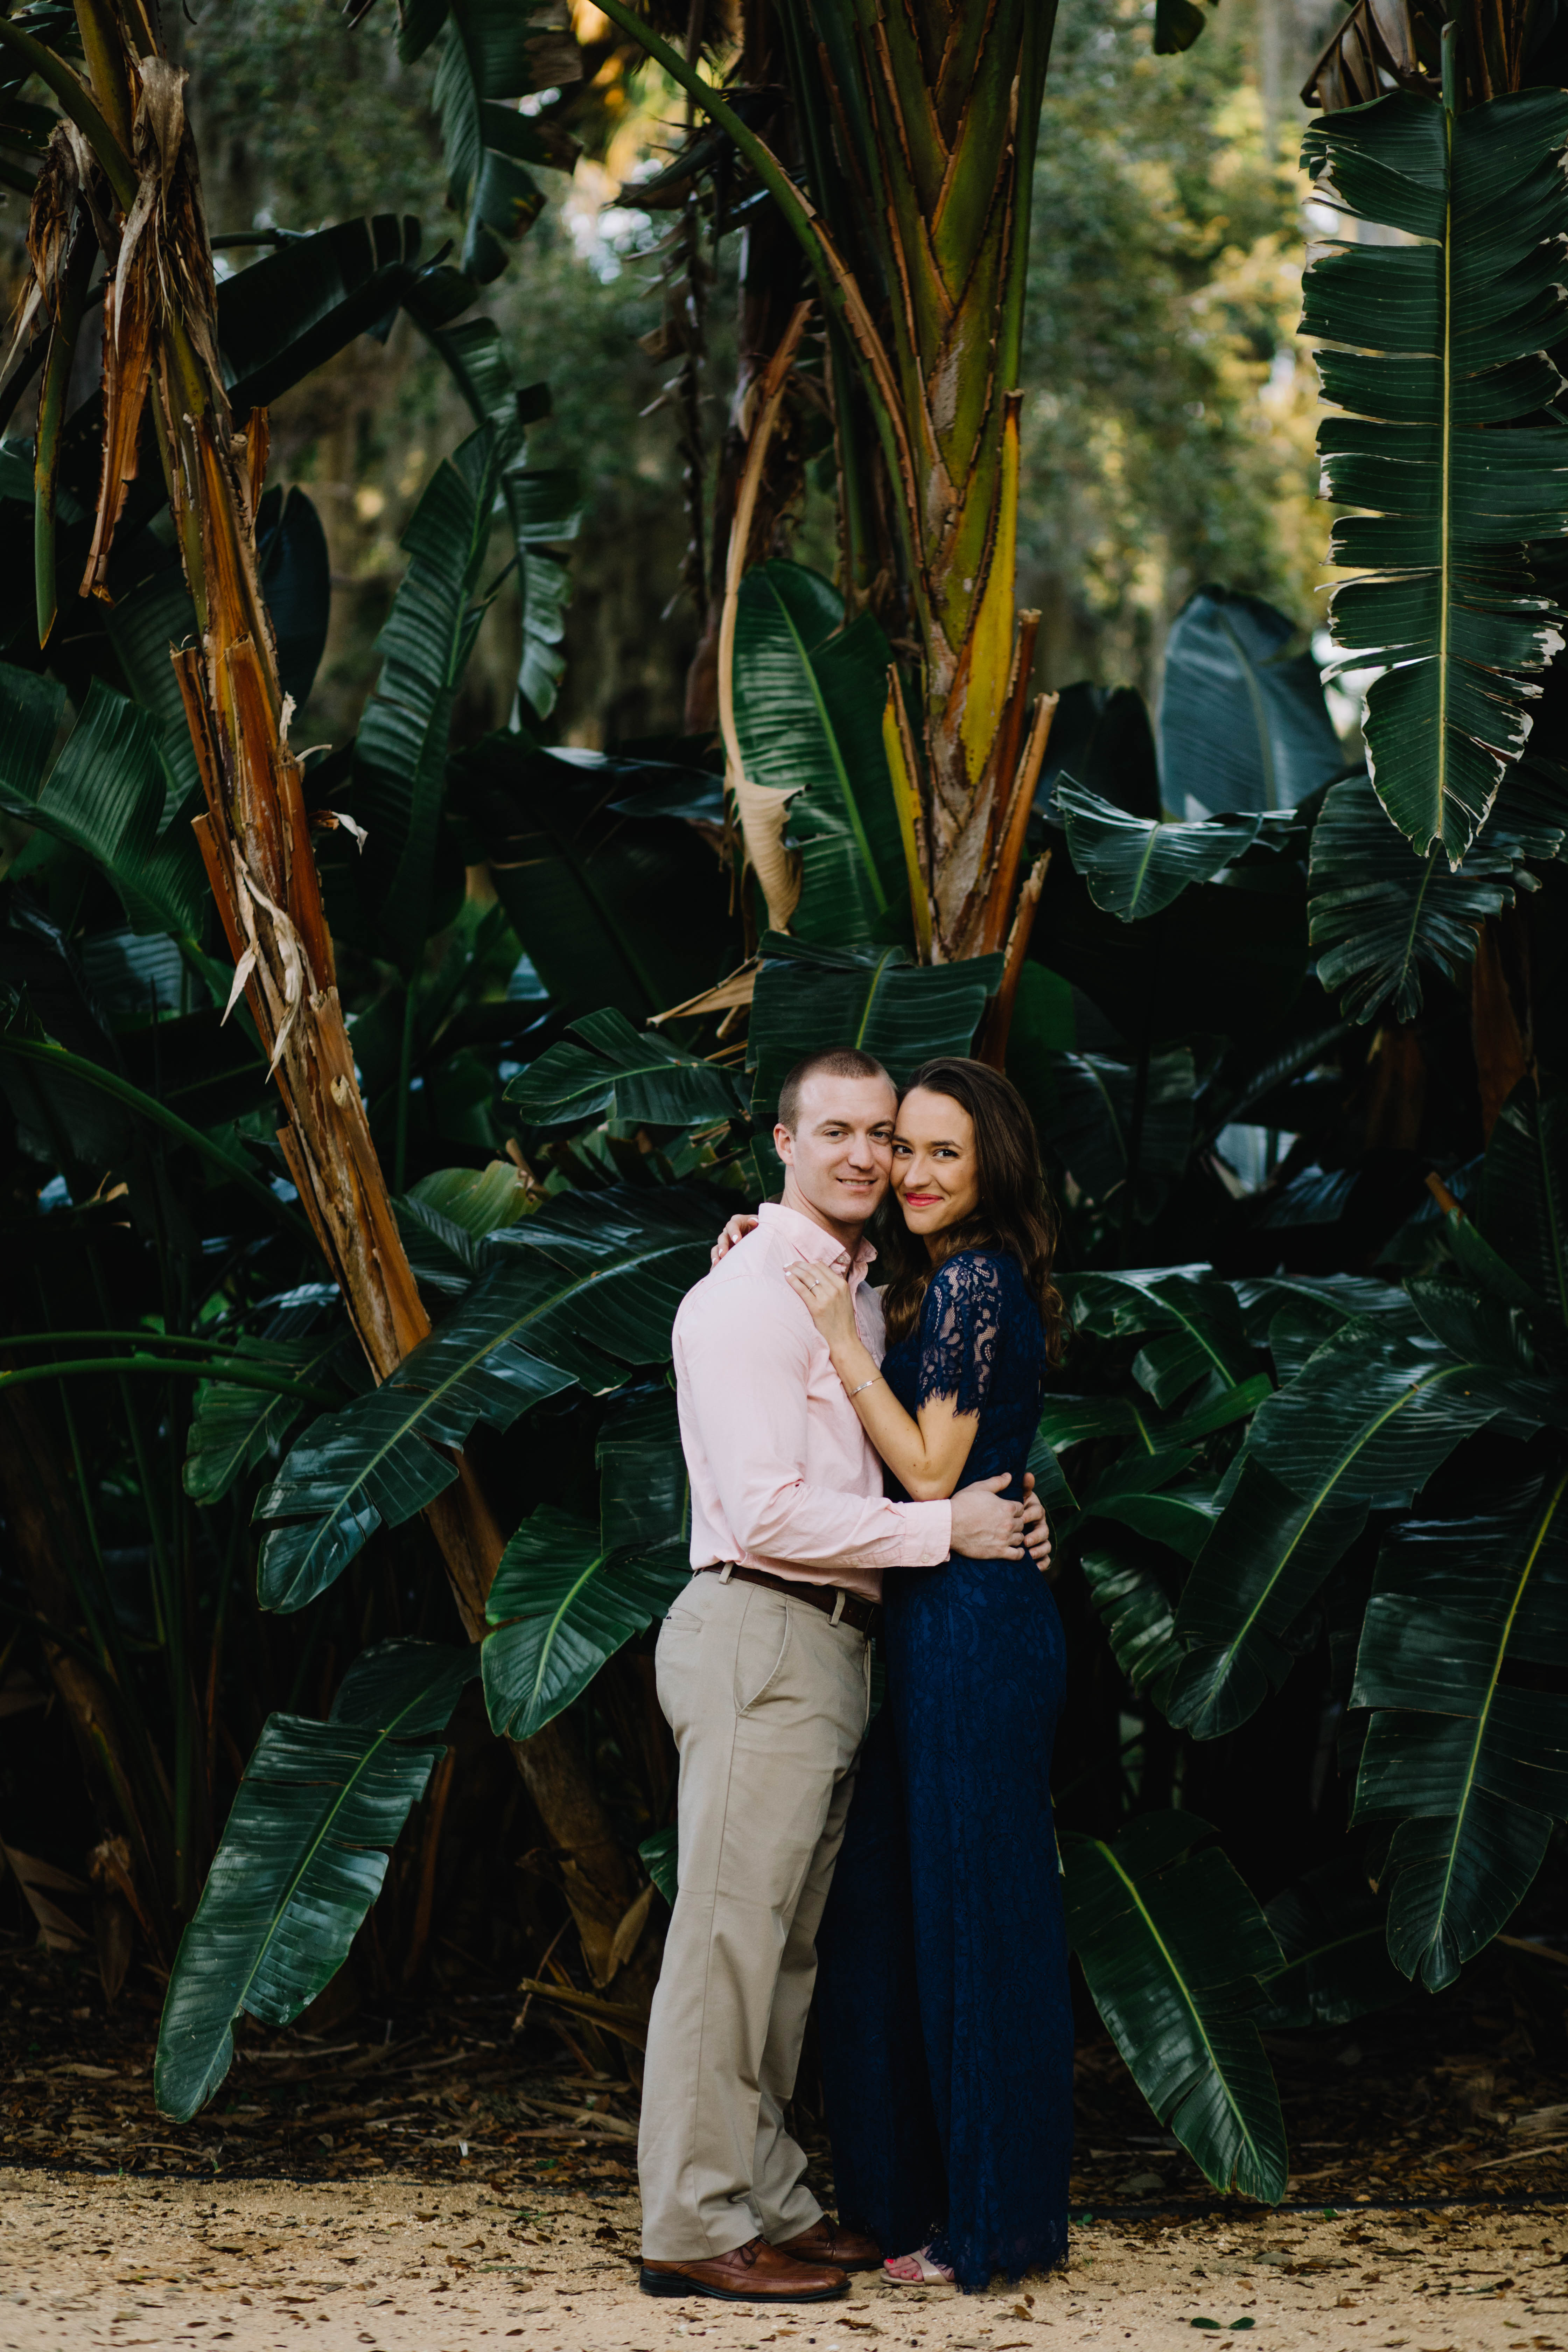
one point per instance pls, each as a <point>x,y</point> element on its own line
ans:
<point>840,1155</point>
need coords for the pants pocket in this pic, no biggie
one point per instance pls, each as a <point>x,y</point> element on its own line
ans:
<point>761,1651</point>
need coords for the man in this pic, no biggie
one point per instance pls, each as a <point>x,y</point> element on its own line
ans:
<point>765,1673</point>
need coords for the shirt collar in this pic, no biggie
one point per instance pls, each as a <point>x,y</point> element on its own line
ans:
<point>813,1241</point>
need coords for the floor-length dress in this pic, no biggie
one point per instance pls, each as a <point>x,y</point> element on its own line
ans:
<point>943,1995</point>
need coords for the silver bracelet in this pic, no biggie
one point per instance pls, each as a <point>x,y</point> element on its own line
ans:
<point>865,1384</point>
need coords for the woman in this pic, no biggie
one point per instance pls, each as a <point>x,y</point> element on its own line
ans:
<point>943,1985</point>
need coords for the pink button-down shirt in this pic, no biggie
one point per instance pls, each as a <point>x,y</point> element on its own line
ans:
<point>783,1475</point>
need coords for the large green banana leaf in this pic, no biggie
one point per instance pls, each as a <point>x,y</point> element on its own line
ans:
<point>1172,1944</point>
<point>809,998</point>
<point>1243,724</point>
<point>302,1858</point>
<point>1137,1612</point>
<point>445,1218</point>
<point>561,1605</point>
<point>624,1073</point>
<point>1379,909</point>
<point>645,1493</point>
<point>1134,866</point>
<point>142,626</point>
<point>232,1428</point>
<point>614,908</point>
<point>1373,1411</point>
<point>401,755</point>
<point>543,503</point>
<point>574,1294</point>
<point>1102,736</point>
<point>281,318</point>
<point>105,794</point>
<point>1267,1555</point>
<point>1152,1495</point>
<point>493,50</point>
<point>1190,1321</point>
<point>809,699</point>
<point>1444,337</point>
<point>1332,1930</point>
<point>1087,1117</point>
<point>1524,1191</point>
<point>1472,1760</point>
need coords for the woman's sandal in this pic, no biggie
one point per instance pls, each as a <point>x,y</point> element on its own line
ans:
<point>917,2269</point>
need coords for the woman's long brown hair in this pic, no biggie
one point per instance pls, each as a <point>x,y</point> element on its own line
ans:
<point>1014,1214</point>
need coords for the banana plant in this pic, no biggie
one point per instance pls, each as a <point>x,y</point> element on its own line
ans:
<point>920,134</point>
<point>1443,359</point>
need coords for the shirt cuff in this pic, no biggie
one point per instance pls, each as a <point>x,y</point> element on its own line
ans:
<point>927,1534</point>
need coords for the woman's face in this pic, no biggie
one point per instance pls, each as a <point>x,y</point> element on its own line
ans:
<point>936,1174</point>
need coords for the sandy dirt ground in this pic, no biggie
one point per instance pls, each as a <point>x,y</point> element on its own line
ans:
<point>89,2259</point>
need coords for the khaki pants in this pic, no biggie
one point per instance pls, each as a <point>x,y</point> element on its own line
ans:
<point>768,1701</point>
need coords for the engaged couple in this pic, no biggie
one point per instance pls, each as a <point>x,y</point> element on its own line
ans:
<point>857,1466</point>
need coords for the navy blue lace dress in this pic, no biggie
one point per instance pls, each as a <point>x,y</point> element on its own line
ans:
<point>943,1995</point>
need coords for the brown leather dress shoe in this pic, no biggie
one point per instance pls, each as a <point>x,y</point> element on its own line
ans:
<point>755,2273</point>
<point>826,2242</point>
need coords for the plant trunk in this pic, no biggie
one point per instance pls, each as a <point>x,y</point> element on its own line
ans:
<point>161,348</point>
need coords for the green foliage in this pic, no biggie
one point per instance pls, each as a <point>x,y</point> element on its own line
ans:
<point>809,696</point>
<point>1524,1206</point>
<point>1134,867</point>
<point>302,1859</point>
<point>424,649</point>
<point>1242,722</point>
<point>1472,1763</point>
<point>561,1605</point>
<point>491,52</point>
<point>617,909</point>
<point>1333,1930</point>
<point>233,1429</point>
<point>1172,1944</point>
<point>105,794</point>
<point>1380,911</point>
<point>572,1295</point>
<point>1450,337</point>
<point>1168,410</point>
<point>870,997</point>
<point>638,1078</point>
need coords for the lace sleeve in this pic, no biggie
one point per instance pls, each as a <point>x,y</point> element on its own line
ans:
<point>960,1320</point>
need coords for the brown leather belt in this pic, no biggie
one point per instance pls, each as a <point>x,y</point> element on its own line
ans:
<point>864,1616</point>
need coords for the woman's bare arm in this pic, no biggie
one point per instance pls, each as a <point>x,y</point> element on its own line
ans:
<point>926,1452</point>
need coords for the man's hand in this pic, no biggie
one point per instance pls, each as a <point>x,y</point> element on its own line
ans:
<point>1037,1527</point>
<point>983,1525</point>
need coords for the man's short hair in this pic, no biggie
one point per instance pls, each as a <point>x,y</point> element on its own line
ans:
<point>840,1062</point>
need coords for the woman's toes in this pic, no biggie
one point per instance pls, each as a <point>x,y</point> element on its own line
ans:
<point>903,2267</point>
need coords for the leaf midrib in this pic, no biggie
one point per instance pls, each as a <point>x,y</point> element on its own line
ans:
<point>1188,2000</point>
<point>1231,1650</point>
<point>841,774</point>
<point>1488,1698</point>
<point>379,1740</point>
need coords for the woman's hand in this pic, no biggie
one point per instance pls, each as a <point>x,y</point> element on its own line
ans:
<point>738,1226</point>
<point>1037,1527</point>
<point>827,1299</point>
